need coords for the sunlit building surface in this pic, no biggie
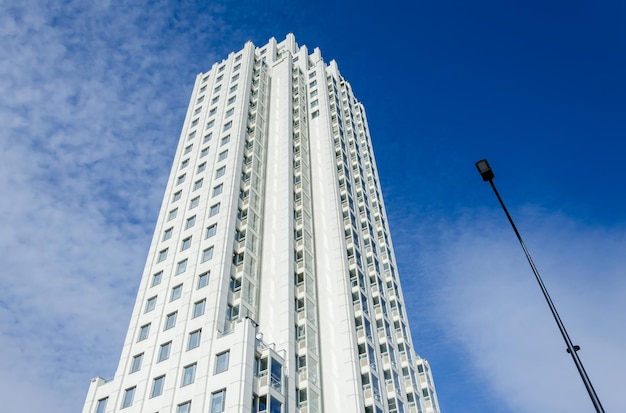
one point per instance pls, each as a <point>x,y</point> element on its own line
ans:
<point>271,283</point>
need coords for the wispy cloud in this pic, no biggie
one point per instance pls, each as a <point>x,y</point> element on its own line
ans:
<point>488,306</point>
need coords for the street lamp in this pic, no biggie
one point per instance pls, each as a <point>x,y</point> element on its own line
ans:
<point>487,174</point>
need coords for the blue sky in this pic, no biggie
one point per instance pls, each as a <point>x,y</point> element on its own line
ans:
<point>92,98</point>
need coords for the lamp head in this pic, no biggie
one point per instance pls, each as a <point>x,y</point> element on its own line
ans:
<point>485,170</point>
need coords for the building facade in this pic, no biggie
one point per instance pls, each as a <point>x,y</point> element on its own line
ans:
<point>270,283</point>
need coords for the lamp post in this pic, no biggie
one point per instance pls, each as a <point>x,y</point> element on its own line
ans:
<point>487,174</point>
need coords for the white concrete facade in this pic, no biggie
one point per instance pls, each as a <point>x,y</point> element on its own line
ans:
<point>271,283</point>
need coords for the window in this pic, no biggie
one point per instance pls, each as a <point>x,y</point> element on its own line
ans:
<point>189,375</point>
<point>220,172</point>
<point>232,89</point>
<point>191,135</point>
<point>194,339</point>
<point>221,362</point>
<point>238,58</point>
<point>222,155</point>
<point>197,110</point>
<point>227,126</point>
<point>313,93</point>
<point>136,364</point>
<point>201,167</point>
<point>194,122</point>
<point>180,179</point>
<point>315,114</point>
<point>191,221</point>
<point>207,137</point>
<point>211,231</point>
<point>231,100</point>
<point>102,405</point>
<point>194,202</point>
<point>143,332</point>
<point>313,83</point>
<point>184,407</point>
<point>218,190</point>
<point>203,280</point>
<point>176,292</point>
<point>162,255</point>
<point>167,234</point>
<point>217,88</point>
<point>210,124</point>
<point>235,78</point>
<point>157,386</point>
<point>225,140</point>
<point>214,100</point>
<point>230,112</point>
<point>213,111</point>
<point>184,164</point>
<point>164,351</point>
<point>129,394</point>
<point>200,99</point>
<point>197,185</point>
<point>177,196</point>
<point>207,254</point>
<point>221,69</point>
<point>156,278</point>
<point>314,103</point>
<point>170,320</point>
<point>204,152</point>
<point>150,304</point>
<point>198,308</point>
<point>218,401</point>
<point>181,266</point>
<point>214,210</point>
<point>188,149</point>
<point>172,214</point>
<point>186,244</point>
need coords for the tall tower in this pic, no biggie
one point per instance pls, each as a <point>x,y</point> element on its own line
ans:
<point>271,283</point>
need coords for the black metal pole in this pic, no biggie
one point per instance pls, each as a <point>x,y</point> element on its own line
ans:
<point>571,349</point>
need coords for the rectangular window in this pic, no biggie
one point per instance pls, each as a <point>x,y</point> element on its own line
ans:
<point>200,99</point>
<point>234,78</point>
<point>217,189</point>
<point>217,88</point>
<point>314,103</point>
<point>172,214</point>
<point>222,155</point>
<point>204,152</point>
<point>194,202</point>
<point>167,234</point>
<point>231,100</point>
<point>180,179</point>
<point>176,292</point>
<point>221,362</point>
<point>214,210</point>
<point>313,93</point>
<point>184,407</point>
<point>227,126</point>
<point>198,308</point>
<point>203,280</point>
<point>157,386</point>
<point>218,401</point>
<point>189,375</point>
<point>170,321</point>
<point>164,351</point>
<point>198,110</point>
<point>201,167</point>
<point>143,332</point>
<point>177,196</point>
<point>102,405</point>
<point>186,244</point>
<point>184,164</point>
<point>188,149</point>
<point>213,111</point>
<point>211,231</point>
<point>191,135</point>
<point>190,222</point>
<point>136,364</point>
<point>194,122</point>
<point>230,112</point>
<point>210,124</point>
<point>150,304</point>
<point>207,254</point>
<point>197,185</point>
<point>232,89</point>
<point>220,172</point>
<point>238,58</point>
<point>156,278</point>
<point>225,140</point>
<point>207,137</point>
<point>181,266</point>
<point>162,255</point>
<point>313,83</point>
<point>129,394</point>
<point>214,100</point>
<point>194,339</point>
<point>315,114</point>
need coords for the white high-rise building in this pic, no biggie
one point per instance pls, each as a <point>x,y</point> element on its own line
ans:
<point>271,283</point>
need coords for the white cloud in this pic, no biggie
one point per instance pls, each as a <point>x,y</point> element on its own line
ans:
<point>489,306</point>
